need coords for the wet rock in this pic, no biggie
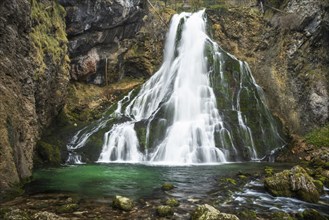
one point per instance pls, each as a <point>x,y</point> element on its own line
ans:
<point>293,183</point>
<point>47,216</point>
<point>167,186</point>
<point>247,214</point>
<point>207,212</point>
<point>15,214</point>
<point>68,208</point>
<point>281,216</point>
<point>311,214</point>
<point>172,202</point>
<point>123,203</point>
<point>164,210</point>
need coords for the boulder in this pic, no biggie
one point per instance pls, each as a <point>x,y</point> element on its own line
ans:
<point>122,203</point>
<point>293,183</point>
<point>172,202</point>
<point>167,186</point>
<point>164,210</point>
<point>208,212</point>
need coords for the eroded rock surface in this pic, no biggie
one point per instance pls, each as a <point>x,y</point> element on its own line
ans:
<point>95,30</point>
<point>33,80</point>
<point>293,183</point>
<point>288,53</point>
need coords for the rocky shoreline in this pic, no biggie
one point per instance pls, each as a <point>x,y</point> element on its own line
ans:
<point>308,184</point>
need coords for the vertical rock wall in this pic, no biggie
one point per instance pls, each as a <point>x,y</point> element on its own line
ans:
<point>96,30</point>
<point>287,49</point>
<point>33,80</point>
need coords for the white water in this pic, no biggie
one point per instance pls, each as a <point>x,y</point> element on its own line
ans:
<point>185,82</point>
<point>175,118</point>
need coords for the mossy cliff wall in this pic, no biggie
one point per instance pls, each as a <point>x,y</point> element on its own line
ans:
<point>288,51</point>
<point>33,80</point>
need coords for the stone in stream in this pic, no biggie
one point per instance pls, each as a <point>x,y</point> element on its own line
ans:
<point>123,203</point>
<point>172,202</point>
<point>208,212</point>
<point>167,186</point>
<point>293,183</point>
<point>164,211</point>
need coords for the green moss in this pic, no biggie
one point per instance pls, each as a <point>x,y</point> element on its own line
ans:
<point>141,134</point>
<point>218,7</point>
<point>123,203</point>
<point>164,210</point>
<point>231,181</point>
<point>281,216</point>
<point>242,177</point>
<point>319,185</point>
<point>167,186</point>
<point>48,36</point>
<point>319,137</point>
<point>48,154</point>
<point>247,215</point>
<point>13,214</point>
<point>15,190</point>
<point>68,208</point>
<point>311,214</point>
<point>268,171</point>
<point>172,202</point>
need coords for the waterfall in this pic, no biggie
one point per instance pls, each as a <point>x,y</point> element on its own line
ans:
<point>201,106</point>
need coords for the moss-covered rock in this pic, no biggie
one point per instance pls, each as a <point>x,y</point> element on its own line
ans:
<point>68,208</point>
<point>208,212</point>
<point>319,137</point>
<point>47,154</point>
<point>172,202</point>
<point>164,211</point>
<point>311,214</point>
<point>268,171</point>
<point>122,203</point>
<point>167,186</point>
<point>47,42</point>
<point>293,183</point>
<point>14,214</point>
<point>247,214</point>
<point>281,216</point>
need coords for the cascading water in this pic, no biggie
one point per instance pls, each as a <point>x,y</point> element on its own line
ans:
<point>202,106</point>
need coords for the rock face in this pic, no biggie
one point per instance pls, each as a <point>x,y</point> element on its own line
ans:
<point>288,54</point>
<point>293,183</point>
<point>33,79</point>
<point>95,30</point>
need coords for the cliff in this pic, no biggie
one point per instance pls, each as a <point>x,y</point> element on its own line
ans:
<point>287,50</point>
<point>34,77</point>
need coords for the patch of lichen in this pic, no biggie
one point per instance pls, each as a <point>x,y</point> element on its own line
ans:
<point>48,36</point>
<point>319,137</point>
